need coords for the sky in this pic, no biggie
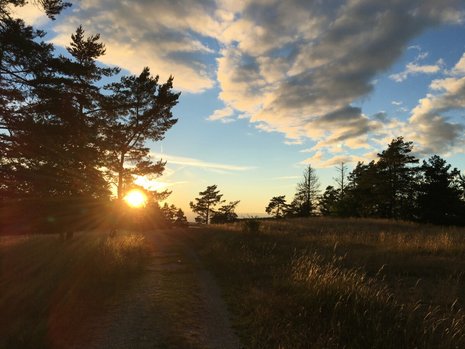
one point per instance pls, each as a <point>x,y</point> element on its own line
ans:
<point>270,86</point>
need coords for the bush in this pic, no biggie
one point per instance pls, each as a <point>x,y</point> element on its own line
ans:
<point>251,225</point>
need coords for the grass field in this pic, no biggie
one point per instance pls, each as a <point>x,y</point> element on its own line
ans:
<point>341,283</point>
<point>50,288</point>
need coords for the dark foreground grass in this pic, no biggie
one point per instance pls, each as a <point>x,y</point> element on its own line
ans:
<point>333,283</point>
<point>50,289</point>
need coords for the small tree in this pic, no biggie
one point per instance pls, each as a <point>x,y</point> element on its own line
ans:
<point>225,214</point>
<point>169,213</point>
<point>204,204</point>
<point>180,219</point>
<point>341,179</point>
<point>307,192</point>
<point>277,206</point>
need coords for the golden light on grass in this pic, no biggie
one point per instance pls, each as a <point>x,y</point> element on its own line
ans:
<point>135,198</point>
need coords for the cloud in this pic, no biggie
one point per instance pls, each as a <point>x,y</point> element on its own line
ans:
<point>429,124</point>
<point>414,69</point>
<point>298,66</point>
<point>295,67</point>
<point>192,162</point>
<point>459,68</point>
<point>164,35</point>
<point>31,14</point>
<point>325,160</point>
<point>286,178</point>
<point>224,115</point>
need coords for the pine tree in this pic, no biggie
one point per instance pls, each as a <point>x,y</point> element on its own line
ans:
<point>277,206</point>
<point>205,203</point>
<point>307,193</point>
<point>140,110</point>
<point>225,214</point>
<point>439,199</point>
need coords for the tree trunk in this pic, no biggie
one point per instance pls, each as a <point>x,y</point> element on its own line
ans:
<point>120,178</point>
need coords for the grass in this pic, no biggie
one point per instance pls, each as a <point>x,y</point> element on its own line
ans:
<point>49,289</point>
<point>341,283</point>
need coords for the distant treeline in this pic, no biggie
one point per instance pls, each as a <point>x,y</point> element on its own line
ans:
<point>395,186</point>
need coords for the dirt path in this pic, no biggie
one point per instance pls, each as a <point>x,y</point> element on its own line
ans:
<point>175,305</point>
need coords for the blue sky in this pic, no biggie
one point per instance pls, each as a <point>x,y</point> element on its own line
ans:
<point>269,86</point>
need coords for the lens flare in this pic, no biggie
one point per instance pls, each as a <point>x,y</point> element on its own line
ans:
<point>135,198</point>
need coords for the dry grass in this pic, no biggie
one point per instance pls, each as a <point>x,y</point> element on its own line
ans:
<point>50,289</point>
<point>342,283</point>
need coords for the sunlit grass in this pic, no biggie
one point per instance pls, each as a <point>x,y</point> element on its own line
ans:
<point>341,283</point>
<point>49,288</point>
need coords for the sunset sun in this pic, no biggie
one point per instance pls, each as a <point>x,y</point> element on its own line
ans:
<point>135,198</point>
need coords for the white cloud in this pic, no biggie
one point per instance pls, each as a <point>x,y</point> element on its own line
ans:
<point>459,68</point>
<point>415,69</point>
<point>286,178</point>
<point>192,162</point>
<point>294,66</point>
<point>164,35</point>
<point>429,124</point>
<point>325,160</point>
<point>224,115</point>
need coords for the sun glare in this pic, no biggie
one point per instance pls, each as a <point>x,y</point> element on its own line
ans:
<point>135,198</point>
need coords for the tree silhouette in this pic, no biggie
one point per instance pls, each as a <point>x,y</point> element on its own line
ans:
<point>305,201</point>
<point>205,203</point>
<point>51,152</point>
<point>180,219</point>
<point>397,176</point>
<point>439,193</point>
<point>140,108</point>
<point>341,179</point>
<point>58,130</point>
<point>277,206</point>
<point>362,196</point>
<point>329,201</point>
<point>225,214</point>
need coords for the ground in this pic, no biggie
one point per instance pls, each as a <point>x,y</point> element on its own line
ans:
<point>175,304</point>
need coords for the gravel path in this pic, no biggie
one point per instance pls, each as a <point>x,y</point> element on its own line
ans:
<point>175,305</point>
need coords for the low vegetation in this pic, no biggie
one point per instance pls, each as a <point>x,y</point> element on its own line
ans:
<point>340,283</point>
<point>50,288</point>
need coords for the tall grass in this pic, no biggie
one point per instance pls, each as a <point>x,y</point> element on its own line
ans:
<point>49,289</point>
<point>336,283</point>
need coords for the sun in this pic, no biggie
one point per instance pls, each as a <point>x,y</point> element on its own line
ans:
<point>135,198</point>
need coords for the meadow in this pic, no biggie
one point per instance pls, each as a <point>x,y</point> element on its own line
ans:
<point>340,283</point>
<point>50,289</point>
